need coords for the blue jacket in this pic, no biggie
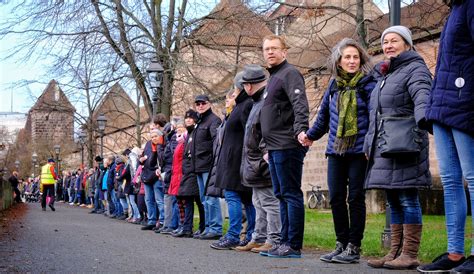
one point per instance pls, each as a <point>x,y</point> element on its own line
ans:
<point>452,104</point>
<point>328,116</point>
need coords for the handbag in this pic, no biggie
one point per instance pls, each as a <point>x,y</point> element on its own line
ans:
<point>398,135</point>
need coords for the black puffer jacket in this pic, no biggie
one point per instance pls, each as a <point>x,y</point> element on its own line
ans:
<point>230,154</point>
<point>254,170</point>
<point>404,90</point>
<point>203,137</point>
<point>211,189</point>
<point>170,146</point>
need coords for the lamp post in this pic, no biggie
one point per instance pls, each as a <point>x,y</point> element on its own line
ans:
<point>57,150</point>
<point>155,77</point>
<point>82,140</point>
<point>34,159</point>
<point>17,165</point>
<point>101,123</point>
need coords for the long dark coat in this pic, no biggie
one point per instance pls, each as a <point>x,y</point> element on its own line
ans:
<point>188,185</point>
<point>230,154</point>
<point>404,90</point>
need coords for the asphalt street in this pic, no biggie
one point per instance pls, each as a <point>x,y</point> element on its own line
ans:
<point>72,241</point>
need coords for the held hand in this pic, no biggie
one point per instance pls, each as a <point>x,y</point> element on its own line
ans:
<point>265,157</point>
<point>143,159</point>
<point>301,137</point>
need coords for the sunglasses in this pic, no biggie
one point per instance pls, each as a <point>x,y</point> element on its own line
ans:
<point>200,103</point>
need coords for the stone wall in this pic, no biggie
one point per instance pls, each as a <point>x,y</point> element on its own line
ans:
<point>52,125</point>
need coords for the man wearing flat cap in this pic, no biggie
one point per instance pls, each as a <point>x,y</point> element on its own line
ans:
<point>284,120</point>
<point>48,178</point>
<point>254,168</point>
<point>201,152</point>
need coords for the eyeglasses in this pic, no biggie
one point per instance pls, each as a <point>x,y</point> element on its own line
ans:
<point>272,49</point>
<point>200,103</point>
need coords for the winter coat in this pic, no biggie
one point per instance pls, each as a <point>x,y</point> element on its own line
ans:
<point>150,164</point>
<point>404,90</point>
<point>230,154</point>
<point>285,110</point>
<point>188,185</point>
<point>177,169</point>
<point>203,137</point>
<point>124,178</point>
<point>254,169</point>
<point>111,178</point>
<point>210,188</point>
<point>171,144</point>
<point>452,104</point>
<point>328,115</point>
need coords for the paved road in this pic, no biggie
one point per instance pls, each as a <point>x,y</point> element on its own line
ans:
<point>70,241</point>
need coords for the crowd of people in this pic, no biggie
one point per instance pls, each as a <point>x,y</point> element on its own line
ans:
<point>253,158</point>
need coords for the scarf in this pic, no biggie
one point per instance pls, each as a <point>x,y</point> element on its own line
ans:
<point>346,134</point>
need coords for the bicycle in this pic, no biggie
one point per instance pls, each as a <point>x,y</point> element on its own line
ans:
<point>316,197</point>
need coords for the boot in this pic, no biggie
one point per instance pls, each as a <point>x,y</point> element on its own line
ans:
<point>395,247</point>
<point>411,244</point>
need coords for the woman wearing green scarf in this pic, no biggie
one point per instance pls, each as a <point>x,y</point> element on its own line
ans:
<point>344,113</point>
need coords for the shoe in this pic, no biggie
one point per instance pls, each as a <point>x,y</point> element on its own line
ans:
<point>441,264</point>
<point>350,255</point>
<point>272,249</point>
<point>210,236</point>
<point>395,247</point>
<point>224,244</point>
<point>71,203</point>
<point>44,208</point>
<point>148,227</point>
<point>264,248</point>
<point>52,207</point>
<point>249,246</point>
<point>198,233</point>
<point>176,231</point>
<point>328,257</point>
<point>93,212</point>
<point>113,216</point>
<point>466,267</point>
<point>167,230</point>
<point>183,234</point>
<point>121,218</point>
<point>285,251</point>
<point>243,242</point>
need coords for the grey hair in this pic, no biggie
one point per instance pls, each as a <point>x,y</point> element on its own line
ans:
<point>336,54</point>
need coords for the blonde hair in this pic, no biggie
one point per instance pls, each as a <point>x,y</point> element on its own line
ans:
<point>276,37</point>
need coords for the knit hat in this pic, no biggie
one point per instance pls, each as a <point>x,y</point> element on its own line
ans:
<point>50,160</point>
<point>403,31</point>
<point>98,158</point>
<point>191,114</point>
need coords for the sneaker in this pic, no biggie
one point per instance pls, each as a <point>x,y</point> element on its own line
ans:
<point>52,207</point>
<point>211,236</point>
<point>198,233</point>
<point>243,243</point>
<point>440,264</point>
<point>328,257</point>
<point>285,251</point>
<point>167,230</point>
<point>350,255</point>
<point>272,249</point>
<point>466,267</point>
<point>224,244</point>
<point>249,246</point>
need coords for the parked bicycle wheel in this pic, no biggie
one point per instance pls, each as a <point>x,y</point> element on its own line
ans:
<point>312,201</point>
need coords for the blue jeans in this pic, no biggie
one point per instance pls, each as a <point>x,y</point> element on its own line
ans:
<point>455,153</point>
<point>404,205</point>
<point>212,207</point>
<point>117,211</point>
<point>133,205</point>
<point>286,170</point>
<point>234,204</point>
<point>97,203</point>
<point>124,205</point>
<point>171,219</point>
<point>154,199</point>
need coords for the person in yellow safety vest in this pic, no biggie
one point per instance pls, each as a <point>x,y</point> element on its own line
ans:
<point>48,178</point>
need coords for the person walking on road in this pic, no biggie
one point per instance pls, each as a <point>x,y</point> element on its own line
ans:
<point>14,183</point>
<point>48,178</point>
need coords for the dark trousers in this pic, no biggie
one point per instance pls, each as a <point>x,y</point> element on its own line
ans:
<point>188,213</point>
<point>17,195</point>
<point>346,175</point>
<point>202,215</point>
<point>286,170</point>
<point>48,191</point>
<point>97,203</point>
